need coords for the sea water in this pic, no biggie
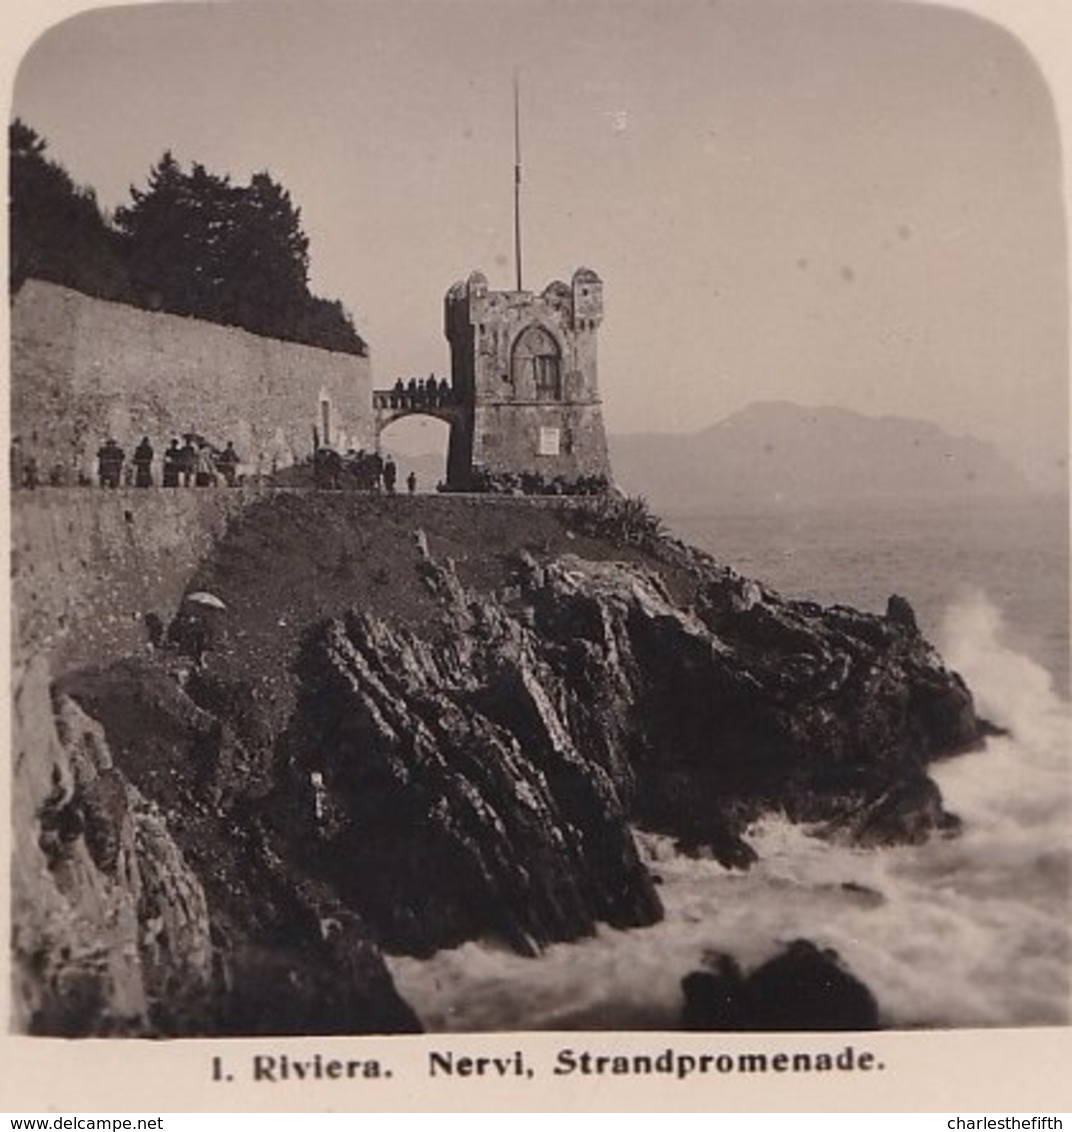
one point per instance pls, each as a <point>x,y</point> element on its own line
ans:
<point>966,931</point>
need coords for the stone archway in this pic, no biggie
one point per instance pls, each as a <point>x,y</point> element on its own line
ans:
<point>418,443</point>
<point>389,406</point>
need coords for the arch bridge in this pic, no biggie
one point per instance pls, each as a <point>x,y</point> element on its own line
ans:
<point>436,400</point>
<point>390,405</point>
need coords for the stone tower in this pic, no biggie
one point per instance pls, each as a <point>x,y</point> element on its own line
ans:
<point>523,367</point>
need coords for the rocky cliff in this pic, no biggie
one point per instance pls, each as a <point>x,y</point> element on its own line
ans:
<point>110,926</point>
<point>439,726</point>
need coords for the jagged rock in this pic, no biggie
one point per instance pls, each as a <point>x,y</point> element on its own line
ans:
<point>899,610</point>
<point>806,988</point>
<point>803,988</point>
<point>227,936</point>
<point>128,840</point>
<point>479,778</point>
<point>470,765</point>
<point>728,848</point>
<point>777,704</point>
<point>462,805</point>
<point>110,933</point>
<point>714,999</point>
<point>908,812</point>
<point>327,978</point>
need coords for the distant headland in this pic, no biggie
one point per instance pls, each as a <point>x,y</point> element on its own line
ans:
<point>777,453</point>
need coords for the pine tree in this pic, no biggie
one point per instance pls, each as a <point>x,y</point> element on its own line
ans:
<point>191,243</point>
<point>267,259</point>
<point>164,232</point>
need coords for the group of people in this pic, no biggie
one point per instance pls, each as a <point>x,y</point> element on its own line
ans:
<point>484,481</point>
<point>421,393</point>
<point>365,471</point>
<point>188,465</point>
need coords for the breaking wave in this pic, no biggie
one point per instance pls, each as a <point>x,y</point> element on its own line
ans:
<point>971,931</point>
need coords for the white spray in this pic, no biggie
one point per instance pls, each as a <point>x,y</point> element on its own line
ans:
<point>968,931</point>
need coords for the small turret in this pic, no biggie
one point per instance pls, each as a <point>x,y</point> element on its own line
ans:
<point>587,298</point>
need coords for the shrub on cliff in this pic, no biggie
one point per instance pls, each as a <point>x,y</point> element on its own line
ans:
<point>624,520</point>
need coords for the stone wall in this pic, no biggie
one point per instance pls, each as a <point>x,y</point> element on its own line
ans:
<point>84,369</point>
<point>509,436</point>
<point>88,566</point>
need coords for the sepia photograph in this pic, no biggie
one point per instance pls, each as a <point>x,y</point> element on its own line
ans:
<point>542,517</point>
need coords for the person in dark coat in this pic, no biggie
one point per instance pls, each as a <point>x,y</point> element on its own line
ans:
<point>110,459</point>
<point>188,462</point>
<point>143,464</point>
<point>411,482</point>
<point>172,464</point>
<point>390,475</point>
<point>227,462</point>
<point>327,469</point>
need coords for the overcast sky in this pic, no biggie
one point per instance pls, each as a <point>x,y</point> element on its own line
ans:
<point>853,203</point>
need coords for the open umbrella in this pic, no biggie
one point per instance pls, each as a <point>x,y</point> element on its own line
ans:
<point>203,598</point>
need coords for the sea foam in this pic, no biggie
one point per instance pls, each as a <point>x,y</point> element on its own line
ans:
<point>965,931</point>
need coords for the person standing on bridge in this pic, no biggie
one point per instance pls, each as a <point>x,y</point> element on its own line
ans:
<point>172,464</point>
<point>188,461</point>
<point>444,391</point>
<point>398,394</point>
<point>143,464</point>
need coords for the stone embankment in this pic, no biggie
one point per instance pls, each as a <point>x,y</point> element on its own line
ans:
<point>423,721</point>
<point>88,565</point>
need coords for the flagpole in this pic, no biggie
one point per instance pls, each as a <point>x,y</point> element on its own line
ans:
<point>517,182</point>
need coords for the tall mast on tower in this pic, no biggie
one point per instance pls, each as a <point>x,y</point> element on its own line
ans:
<point>517,181</point>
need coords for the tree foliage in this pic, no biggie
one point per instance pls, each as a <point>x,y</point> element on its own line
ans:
<point>57,231</point>
<point>199,245</point>
<point>190,243</point>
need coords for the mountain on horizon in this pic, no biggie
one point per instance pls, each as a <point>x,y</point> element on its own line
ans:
<point>778,453</point>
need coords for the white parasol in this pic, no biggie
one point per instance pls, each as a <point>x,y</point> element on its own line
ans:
<point>201,597</point>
